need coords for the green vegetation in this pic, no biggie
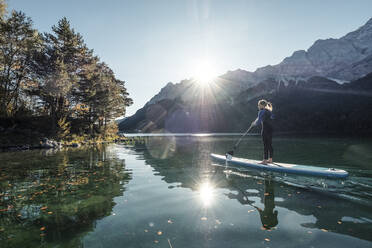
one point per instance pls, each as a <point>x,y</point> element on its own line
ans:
<point>52,85</point>
<point>60,198</point>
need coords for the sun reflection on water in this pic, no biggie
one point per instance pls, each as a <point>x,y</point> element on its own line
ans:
<point>206,194</point>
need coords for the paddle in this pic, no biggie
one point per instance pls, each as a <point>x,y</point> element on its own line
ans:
<point>229,154</point>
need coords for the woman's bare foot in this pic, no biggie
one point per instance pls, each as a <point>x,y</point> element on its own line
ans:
<point>270,161</point>
<point>263,162</point>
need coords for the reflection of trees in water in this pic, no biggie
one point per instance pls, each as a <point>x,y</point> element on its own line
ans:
<point>57,198</point>
<point>190,163</point>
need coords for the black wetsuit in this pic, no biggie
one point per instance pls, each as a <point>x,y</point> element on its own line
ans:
<point>265,117</point>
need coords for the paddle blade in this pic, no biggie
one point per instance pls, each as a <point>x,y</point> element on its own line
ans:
<point>229,155</point>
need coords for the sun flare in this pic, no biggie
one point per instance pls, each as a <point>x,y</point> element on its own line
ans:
<point>205,71</point>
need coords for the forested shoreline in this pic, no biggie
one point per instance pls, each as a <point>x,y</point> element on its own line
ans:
<point>52,85</point>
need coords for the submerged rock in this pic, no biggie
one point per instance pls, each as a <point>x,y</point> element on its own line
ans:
<point>50,144</point>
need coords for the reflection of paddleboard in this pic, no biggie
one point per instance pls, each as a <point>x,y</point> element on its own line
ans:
<point>284,168</point>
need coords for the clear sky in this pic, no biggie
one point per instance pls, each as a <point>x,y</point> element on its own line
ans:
<point>149,43</point>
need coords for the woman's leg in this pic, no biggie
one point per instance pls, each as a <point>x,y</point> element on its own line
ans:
<point>270,146</point>
<point>266,146</point>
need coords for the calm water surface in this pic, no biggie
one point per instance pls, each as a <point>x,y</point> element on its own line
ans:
<point>166,192</point>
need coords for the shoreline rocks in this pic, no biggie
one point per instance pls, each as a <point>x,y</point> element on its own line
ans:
<point>50,144</point>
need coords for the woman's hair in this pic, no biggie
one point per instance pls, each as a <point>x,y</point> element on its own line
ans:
<point>265,104</point>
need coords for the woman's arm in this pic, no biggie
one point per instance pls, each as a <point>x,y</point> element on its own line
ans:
<point>259,118</point>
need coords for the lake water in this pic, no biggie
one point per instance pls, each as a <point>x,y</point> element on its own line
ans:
<point>165,191</point>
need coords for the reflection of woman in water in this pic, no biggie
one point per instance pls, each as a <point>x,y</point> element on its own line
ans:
<point>269,217</point>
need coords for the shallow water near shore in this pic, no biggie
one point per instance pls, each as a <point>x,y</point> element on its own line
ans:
<point>166,192</point>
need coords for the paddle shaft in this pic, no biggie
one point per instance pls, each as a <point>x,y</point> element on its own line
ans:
<point>237,143</point>
<point>229,154</point>
<point>243,193</point>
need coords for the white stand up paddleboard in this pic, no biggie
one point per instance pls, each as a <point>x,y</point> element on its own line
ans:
<point>283,167</point>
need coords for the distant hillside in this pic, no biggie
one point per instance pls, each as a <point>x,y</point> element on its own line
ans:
<point>314,105</point>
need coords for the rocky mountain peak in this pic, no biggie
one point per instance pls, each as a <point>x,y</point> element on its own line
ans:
<point>327,58</point>
<point>169,84</point>
<point>344,59</point>
<point>362,36</point>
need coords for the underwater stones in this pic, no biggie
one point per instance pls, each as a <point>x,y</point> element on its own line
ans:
<point>50,144</point>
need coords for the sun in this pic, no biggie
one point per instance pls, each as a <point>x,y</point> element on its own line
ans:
<point>205,71</point>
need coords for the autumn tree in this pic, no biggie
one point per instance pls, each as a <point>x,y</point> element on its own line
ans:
<point>2,8</point>
<point>55,77</point>
<point>18,42</point>
<point>57,70</point>
<point>112,98</point>
<point>102,96</point>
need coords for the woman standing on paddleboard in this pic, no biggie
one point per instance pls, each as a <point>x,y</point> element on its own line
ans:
<point>265,117</point>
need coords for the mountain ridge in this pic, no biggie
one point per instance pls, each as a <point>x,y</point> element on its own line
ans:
<point>314,105</point>
<point>325,57</point>
<point>345,59</point>
<point>325,69</point>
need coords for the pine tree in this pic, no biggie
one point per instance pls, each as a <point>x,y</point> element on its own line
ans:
<point>104,96</point>
<point>58,68</point>
<point>55,76</point>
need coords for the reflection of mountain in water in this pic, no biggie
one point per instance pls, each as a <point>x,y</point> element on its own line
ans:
<point>190,164</point>
<point>58,198</point>
<point>332,214</point>
<point>336,215</point>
